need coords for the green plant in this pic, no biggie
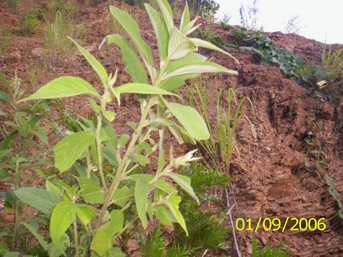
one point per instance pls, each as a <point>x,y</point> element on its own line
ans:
<point>332,61</point>
<point>20,128</point>
<point>6,40</point>
<point>59,47</point>
<point>30,21</point>
<point>205,8</point>
<point>207,230</point>
<point>100,173</point>
<point>258,251</point>
<point>67,8</point>
<point>218,150</point>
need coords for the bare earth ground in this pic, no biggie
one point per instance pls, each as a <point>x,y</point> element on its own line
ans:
<point>268,175</point>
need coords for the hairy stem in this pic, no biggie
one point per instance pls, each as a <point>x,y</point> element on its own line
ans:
<point>120,173</point>
<point>98,144</point>
<point>76,239</point>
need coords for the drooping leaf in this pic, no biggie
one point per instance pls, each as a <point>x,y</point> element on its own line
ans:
<point>142,189</point>
<point>63,215</point>
<point>173,205</point>
<point>86,213</point>
<point>139,88</point>
<point>205,44</point>
<point>64,86</point>
<point>163,215</point>
<point>207,67</point>
<point>71,148</point>
<point>174,83</point>
<point>94,63</point>
<point>122,196</point>
<point>189,59</point>
<point>102,241</point>
<point>39,237</point>
<point>190,119</point>
<point>161,31</point>
<point>185,183</point>
<point>39,199</point>
<point>131,27</point>
<point>133,65</point>
<point>91,191</point>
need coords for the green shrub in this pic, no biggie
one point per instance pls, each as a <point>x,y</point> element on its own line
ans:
<point>100,187</point>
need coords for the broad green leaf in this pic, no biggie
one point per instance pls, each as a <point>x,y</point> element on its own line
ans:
<point>102,241</point>
<point>185,183</point>
<point>112,138</point>
<point>161,31</point>
<point>189,59</point>
<point>174,83</point>
<point>71,148</point>
<point>64,86</point>
<point>167,13</point>
<point>139,88</point>
<point>165,187</point>
<point>39,199</point>
<point>109,155</point>
<point>39,237</point>
<point>133,65</point>
<point>207,67</point>
<point>116,252</point>
<point>91,191</point>
<point>4,97</point>
<point>179,45</point>
<point>186,18</point>
<point>205,44</point>
<point>131,27</point>
<point>86,213</point>
<point>191,120</point>
<point>162,214</point>
<point>122,196</point>
<point>63,215</point>
<point>94,63</point>
<point>142,189</point>
<point>173,205</point>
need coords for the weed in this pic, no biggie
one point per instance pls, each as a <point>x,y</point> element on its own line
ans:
<point>332,61</point>
<point>20,129</point>
<point>30,22</point>
<point>258,251</point>
<point>67,8</point>
<point>103,189</point>
<point>59,48</point>
<point>221,146</point>
<point>6,40</point>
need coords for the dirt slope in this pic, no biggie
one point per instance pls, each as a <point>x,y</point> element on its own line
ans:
<point>270,176</point>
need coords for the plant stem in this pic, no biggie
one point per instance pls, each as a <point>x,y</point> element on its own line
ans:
<point>98,144</point>
<point>123,163</point>
<point>76,239</point>
<point>17,205</point>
